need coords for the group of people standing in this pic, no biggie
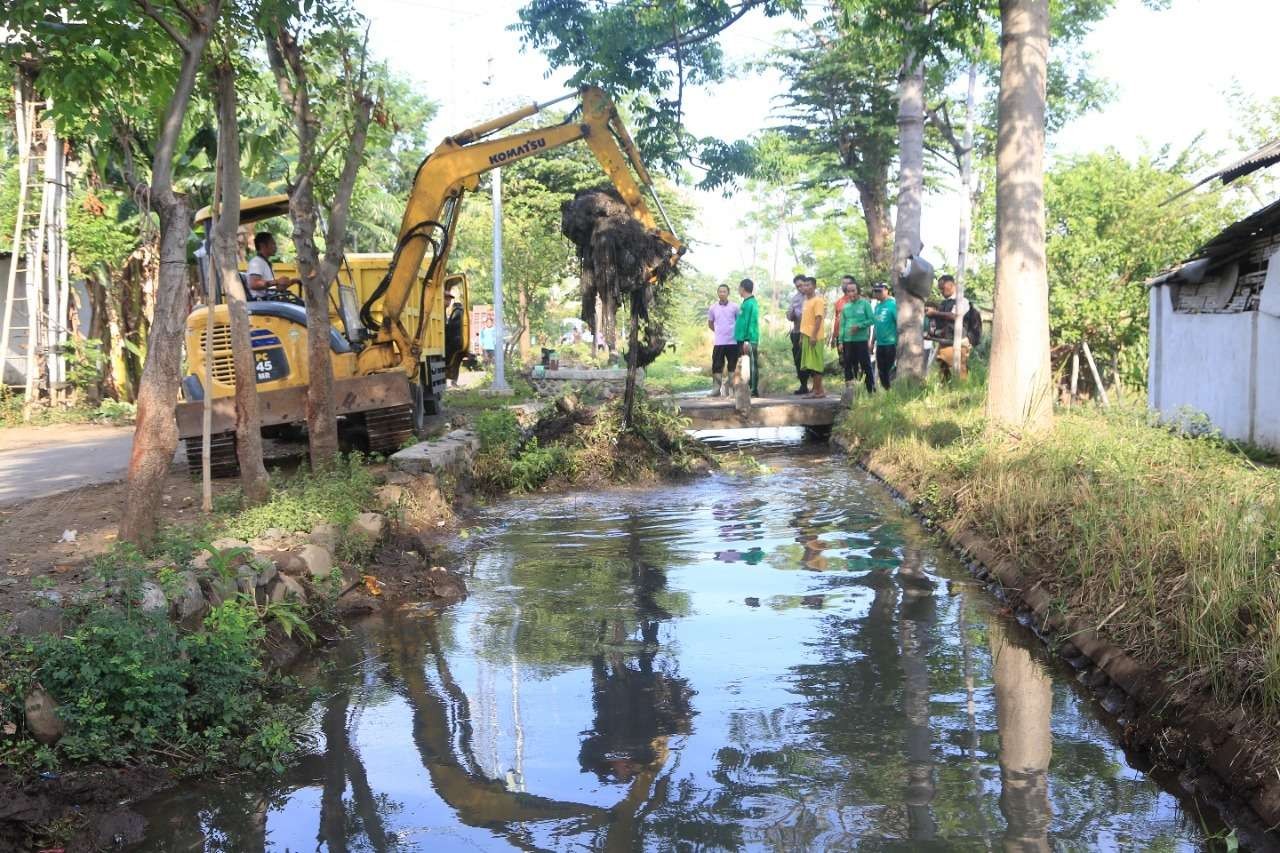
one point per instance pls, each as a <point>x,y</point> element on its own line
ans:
<point>857,322</point>
<point>860,326</point>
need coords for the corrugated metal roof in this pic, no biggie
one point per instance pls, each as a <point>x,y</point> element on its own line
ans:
<point>1227,244</point>
<point>1250,163</point>
<point>1263,157</point>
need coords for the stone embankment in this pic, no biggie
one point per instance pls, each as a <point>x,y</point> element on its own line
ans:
<point>293,567</point>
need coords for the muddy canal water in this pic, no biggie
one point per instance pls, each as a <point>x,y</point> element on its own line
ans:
<point>780,661</point>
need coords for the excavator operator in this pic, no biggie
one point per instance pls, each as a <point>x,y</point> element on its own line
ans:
<point>262,277</point>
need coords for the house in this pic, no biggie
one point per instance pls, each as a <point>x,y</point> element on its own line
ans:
<point>1215,332</point>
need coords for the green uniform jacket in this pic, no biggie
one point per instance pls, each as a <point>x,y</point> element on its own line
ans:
<point>886,323</point>
<point>747,327</point>
<point>856,314</point>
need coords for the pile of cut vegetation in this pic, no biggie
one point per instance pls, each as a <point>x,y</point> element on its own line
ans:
<point>574,444</point>
<point>621,260</point>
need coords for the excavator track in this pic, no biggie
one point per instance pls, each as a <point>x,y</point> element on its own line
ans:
<point>388,429</point>
<point>222,452</point>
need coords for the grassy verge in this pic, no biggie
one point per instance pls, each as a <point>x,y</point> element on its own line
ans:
<point>1169,543</point>
<point>133,686</point>
<point>107,412</point>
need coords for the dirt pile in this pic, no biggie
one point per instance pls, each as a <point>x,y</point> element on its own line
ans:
<point>621,260</point>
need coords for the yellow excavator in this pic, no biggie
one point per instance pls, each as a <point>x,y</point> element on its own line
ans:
<point>387,345</point>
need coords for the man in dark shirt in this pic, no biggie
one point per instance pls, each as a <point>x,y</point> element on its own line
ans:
<point>794,309</point>
<point>942,328</point>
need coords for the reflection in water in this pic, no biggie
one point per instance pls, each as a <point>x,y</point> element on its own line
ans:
<point>1024,702</point>
<point>737,663</point>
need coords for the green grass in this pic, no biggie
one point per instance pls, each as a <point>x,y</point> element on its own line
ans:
<point>1174,541</point>
<point>669,375</point>
<point>301,500</point>
<point>107,412</point>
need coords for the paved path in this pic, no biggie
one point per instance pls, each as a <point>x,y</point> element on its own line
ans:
<point>38,461</point>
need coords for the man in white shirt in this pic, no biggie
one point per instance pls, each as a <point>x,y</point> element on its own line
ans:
<point>261,275</point>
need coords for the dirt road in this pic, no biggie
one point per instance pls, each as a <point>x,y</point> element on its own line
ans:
<point>39,461</point>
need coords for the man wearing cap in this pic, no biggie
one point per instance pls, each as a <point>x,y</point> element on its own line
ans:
<point>886,328</point>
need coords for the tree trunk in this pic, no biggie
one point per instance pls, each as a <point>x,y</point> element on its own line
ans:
<point>966,208</point>
<point>226,251</point>
<point>911,361</point>
<point>1018,388</point>
<point>1024,702</point>
<point>522,311</point>
<point>285,55</point>
<point>322,418</point>
<point>156,436</point>
<point>874,201</point>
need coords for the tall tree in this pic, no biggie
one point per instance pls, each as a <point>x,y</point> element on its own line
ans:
<point>840,115</point>
<point>1018,392</point>
<point>906,237</point>
<point>156,435</point>
<point>647,49</point>
<point>227,257</point>
<point>291,64</point>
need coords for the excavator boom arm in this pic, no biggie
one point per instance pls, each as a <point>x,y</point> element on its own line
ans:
<point>455,167</point>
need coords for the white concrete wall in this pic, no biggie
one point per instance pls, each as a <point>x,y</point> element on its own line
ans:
<point>1220,364</point>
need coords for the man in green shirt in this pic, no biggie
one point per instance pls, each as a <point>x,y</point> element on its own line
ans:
<point>856,320</point>
<point>746,331</point>
<point>886,314</point>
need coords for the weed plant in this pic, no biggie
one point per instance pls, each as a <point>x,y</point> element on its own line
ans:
<point>298,502</point>
<point>600,451</point>
<point>131,686</point>
<point>1168,540</point>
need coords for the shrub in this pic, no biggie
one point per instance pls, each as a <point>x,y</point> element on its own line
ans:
<point>129,686</point>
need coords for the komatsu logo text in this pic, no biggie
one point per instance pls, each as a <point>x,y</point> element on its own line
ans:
<point>519,151</point>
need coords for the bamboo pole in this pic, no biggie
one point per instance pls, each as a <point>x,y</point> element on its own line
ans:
<point>1097,380</point>
<point>64,268</point>
<point>1075,376</point>
<point>966,207</point>
<point>206,425</point>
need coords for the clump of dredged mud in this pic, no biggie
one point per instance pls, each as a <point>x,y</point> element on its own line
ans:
<point>621,259</point>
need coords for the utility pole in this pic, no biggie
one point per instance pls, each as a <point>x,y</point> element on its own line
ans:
<point>499,334</point>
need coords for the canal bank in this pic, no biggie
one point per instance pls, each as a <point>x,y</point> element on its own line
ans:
<point>782,659</point>
<point>1144,556</point>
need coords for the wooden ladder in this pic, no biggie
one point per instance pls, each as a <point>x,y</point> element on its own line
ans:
<point>25,262</point>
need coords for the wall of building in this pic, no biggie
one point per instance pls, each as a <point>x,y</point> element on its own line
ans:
<point>1218,364</point>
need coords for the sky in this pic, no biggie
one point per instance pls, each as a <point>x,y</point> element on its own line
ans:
<point>1170,70</point>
